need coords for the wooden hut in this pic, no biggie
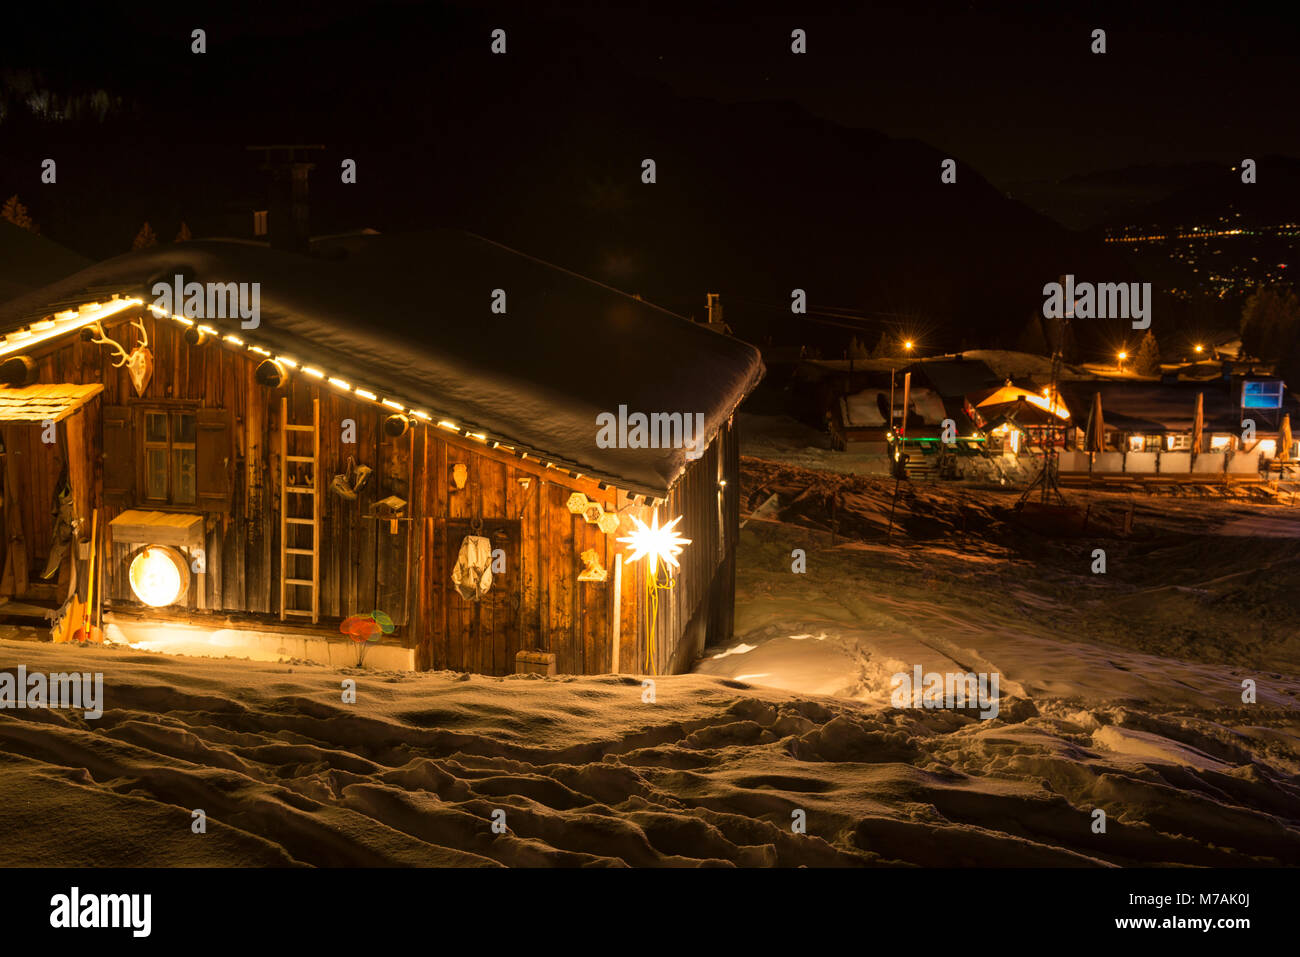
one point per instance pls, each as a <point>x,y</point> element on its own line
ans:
<point>327,453</point>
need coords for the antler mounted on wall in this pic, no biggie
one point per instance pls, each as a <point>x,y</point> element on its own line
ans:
<point>138,362</point>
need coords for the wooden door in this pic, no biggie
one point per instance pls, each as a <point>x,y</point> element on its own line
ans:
<point>483,636</point>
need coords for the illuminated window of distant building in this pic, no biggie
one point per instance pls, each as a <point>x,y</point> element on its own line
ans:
<point>1220,442</point>
<point>1262,395</point>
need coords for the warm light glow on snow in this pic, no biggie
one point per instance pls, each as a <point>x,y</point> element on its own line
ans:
<point>661,542</point>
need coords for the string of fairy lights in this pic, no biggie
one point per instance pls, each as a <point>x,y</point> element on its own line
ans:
<point>342,385</point>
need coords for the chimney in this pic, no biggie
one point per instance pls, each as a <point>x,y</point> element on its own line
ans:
<point>288,225</point>
<point>714,320</point>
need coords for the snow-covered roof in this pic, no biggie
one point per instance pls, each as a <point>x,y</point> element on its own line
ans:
<point>1007,364</point>
<point>409,316</point>
<point>28,261</point>
<point>1155,407</point>
<point>863,409</point>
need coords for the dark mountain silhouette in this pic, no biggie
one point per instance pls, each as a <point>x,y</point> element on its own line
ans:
<point>1207,194</point>
<point>1088,200</point>
<point>542,149</point>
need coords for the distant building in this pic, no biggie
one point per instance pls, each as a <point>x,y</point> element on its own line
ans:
<point>1149,425</point>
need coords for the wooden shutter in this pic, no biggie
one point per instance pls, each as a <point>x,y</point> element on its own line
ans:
<point>214,458</point>
<point>119,456</point>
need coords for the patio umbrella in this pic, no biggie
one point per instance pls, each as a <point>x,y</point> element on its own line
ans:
<point>1094,439</point>
<point>1284,439</point>
<point>1198,423</point>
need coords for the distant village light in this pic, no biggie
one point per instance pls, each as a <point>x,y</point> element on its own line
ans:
<point>908,345</point>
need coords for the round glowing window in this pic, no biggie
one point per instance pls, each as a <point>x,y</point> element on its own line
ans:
<point>159,576</point>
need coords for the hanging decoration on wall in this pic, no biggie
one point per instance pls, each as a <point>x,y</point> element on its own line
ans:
<point>351,481</point>
<point>472,575</point>
<point>138,362</point>
<point>65,522</point>
<point>593,513</point>
<point>659,545</point>
<point>269,372</point>
<point>595,571</point>
<point>392,510</point>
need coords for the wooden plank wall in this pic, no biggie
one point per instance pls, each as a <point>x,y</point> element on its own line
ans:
<point>242,543</point>
<point>32,469</point>
<point>539,605</point>
<point>704,585</point>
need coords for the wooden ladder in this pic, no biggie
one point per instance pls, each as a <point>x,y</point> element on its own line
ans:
<point>292,549</point>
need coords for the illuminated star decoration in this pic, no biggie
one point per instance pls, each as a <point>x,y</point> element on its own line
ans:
<point>661,543</point>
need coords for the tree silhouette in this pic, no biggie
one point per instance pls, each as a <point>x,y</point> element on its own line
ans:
<point>16,213</point>
<point>1268,322</point>
<point>1032,339</point>
<point>145,238</point>
<point>1147,360</point>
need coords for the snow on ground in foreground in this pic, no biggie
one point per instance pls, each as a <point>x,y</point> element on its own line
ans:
<point>1121,692</point>
<point>589,774</point>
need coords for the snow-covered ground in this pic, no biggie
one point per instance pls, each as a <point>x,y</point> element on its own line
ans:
<point>1122,691</point>
<point>1119,692</point>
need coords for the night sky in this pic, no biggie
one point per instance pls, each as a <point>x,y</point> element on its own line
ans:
<point>1011,88</point>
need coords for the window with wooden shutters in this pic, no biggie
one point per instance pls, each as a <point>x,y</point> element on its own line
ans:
<point>215,455</point>
<point>119,456</point>
<point>168,453</point>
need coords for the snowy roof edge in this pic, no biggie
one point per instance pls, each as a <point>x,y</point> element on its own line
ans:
<point>126,276</point>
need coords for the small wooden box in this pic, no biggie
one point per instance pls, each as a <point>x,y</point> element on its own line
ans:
<point>535,663</point>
